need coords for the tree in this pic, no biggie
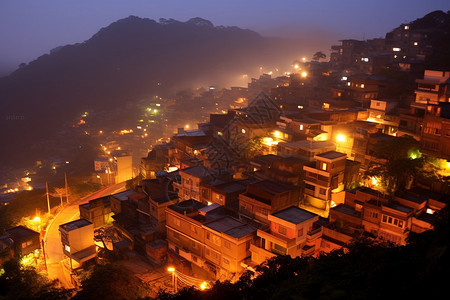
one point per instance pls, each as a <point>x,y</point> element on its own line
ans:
<point>403,163</point>
<point>318,56</point>
<point>18,282</point>
<point>111,281</point>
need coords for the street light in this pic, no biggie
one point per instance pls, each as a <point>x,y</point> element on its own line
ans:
<point>172,270</point>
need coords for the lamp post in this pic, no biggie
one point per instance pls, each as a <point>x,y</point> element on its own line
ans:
<point>174,278</point>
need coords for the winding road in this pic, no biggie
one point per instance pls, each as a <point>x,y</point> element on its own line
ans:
<point>52,240</point>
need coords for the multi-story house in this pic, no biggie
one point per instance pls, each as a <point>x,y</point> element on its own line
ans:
<point>208,239</point>
<point>77,238</point>
<point>433,89</point>
<point>97,211</point>
<point>367,210</point>
<point>266,197</point>
<point>191,177</point>
<point>324,182</point>
<point>290,231</point>
<point>304,149</point>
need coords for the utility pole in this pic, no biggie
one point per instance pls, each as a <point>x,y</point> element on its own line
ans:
<point>48,200</point>
<point>43,252</point>
<point>67,194</point>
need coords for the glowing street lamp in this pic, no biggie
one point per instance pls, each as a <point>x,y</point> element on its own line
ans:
<point>304,74</point>
<point>341,138</point>
<point>172,270</point>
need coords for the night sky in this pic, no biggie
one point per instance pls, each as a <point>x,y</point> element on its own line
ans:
<point>30,28</point>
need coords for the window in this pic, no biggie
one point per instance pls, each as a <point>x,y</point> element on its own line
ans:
<point>309,186</point>
<point>194,245</point>
<point>301,126</point>
<point>324,166</point>
<point>226,261</point>
<point>67,248</point>
<point>322,191</point>
<point>27,243</point>
<point>176,221</point>
<point>227,244</point>
<point>216,239</point>
<point>300,232</point>
<point>208,236</point>
<point>243,130</point>
<point>282,230</point>
<point>393,221</point>
<point>194,229</point>
<point>176,235</point>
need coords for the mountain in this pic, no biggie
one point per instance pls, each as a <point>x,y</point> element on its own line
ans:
<point>128,59</point>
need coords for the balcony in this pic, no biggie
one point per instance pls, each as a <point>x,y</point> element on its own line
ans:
<point>313,234</point>
<point>276,238</point>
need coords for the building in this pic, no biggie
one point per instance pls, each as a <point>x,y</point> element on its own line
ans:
<point>324,182</point>
<point>290,230</point>
<point>77,239</point>
<point>25,240</point>
<point>266,197</point>
<point>207,240</point>
<point>304,149</point>
<point>97,211</point>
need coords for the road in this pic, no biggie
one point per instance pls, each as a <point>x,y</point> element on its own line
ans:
<point>52,240</point>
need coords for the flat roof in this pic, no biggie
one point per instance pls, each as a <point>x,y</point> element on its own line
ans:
<point>273,187</point>
<point>231,226</point>
<point>123,196</point>
<point>348,210</point>
<point>294,215</point>
<point>305,144</point>
<point>398,207</point>
<point>75,224</point>
<point>331,154</point>
<point>187,206</point>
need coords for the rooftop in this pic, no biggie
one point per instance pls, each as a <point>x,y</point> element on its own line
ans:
<point>348,210</point>
<point>399,207</point>
<point>294,215</point>
<point>332,155</point>
<point>272,187</point>
<point>187,206</point>
<point>80,223</point>
<point>21,233</point>
<point>311,145</point>
<point>123,196</point>
<point>231,226</point>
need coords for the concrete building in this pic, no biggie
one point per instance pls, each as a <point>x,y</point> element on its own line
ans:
<point>288,234</point>
<point>77,239</point>
<point>324,182</point>
<point>207,240</point>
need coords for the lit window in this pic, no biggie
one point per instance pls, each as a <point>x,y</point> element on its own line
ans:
<point>362,85</point>
<point>300,107</point>
<point>344,78</point>
<point>67,248</point>
<point>406,27</point>
<point>324,166</point>
<point>348,83</point>
<point>395,49</point>
<point>416,43</point>
<point>219,133</point>
<point>282,230</point>
<point>243,130</point>
<point>301,127</point>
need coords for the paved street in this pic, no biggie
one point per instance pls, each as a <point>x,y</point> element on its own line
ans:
<point>53,248</point>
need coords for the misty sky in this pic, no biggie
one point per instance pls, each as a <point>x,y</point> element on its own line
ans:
<point>30,28</point>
